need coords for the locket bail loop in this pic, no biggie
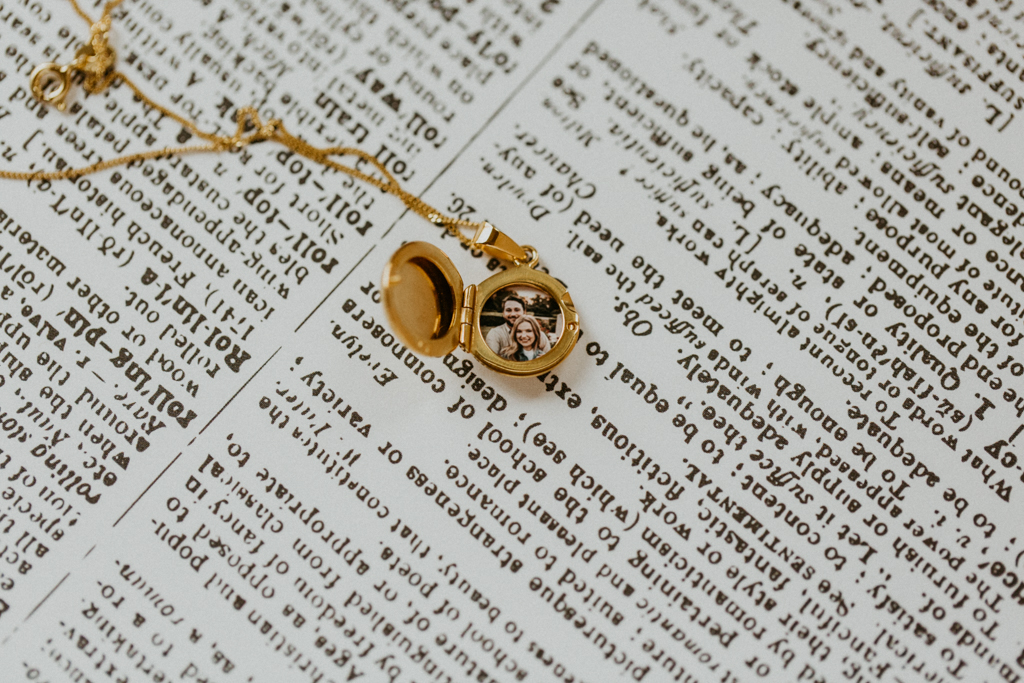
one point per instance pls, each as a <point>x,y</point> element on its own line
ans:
<point>494,242</point>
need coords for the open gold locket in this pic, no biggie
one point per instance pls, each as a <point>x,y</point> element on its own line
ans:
<point>519,322</point>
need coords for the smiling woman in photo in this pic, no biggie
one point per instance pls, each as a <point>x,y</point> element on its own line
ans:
<point>527,340</point>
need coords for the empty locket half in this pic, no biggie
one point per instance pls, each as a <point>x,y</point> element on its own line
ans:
<point>519,322</point>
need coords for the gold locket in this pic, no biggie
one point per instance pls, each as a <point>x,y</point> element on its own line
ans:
<point>431,313</point>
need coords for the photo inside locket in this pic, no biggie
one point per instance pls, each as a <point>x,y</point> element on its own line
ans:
<point>425,298</point>
<point>521,323</point>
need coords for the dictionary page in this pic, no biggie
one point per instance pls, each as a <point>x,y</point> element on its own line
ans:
<point>784,448</point>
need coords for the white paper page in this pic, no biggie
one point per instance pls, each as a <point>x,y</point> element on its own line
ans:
<point>783,449</point>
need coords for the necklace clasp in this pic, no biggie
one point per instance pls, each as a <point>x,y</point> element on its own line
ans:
<point>51,82</point>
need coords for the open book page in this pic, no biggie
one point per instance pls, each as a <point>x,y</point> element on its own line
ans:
<point>785,447</point>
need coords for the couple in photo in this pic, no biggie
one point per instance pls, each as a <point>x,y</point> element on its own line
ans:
<point>521,337</point>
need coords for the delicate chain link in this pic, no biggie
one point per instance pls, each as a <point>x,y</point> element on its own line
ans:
<point>95,60</point>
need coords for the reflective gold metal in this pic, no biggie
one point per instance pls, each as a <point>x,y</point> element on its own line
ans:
<point>495,243</point>
<point>51,82</point>
<point>432,314</point>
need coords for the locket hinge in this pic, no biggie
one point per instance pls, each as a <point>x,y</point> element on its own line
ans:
<point>466,318</point>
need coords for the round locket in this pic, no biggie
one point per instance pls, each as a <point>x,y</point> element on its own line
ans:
<point>519,322</point>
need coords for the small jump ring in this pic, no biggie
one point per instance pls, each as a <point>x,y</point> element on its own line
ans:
<point>50,83</point>
<point>532,256</point>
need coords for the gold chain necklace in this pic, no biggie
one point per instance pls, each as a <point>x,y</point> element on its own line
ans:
<point>519,322</point>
